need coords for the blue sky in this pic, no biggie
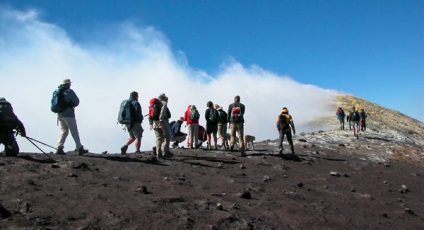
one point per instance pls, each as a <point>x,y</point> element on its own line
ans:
<point>371,49</point>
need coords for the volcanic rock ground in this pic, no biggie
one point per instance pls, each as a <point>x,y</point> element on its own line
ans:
<point>335,182</point>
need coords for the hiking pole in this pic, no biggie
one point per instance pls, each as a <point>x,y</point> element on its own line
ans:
<point>28,138</point>
<point>41,143</point>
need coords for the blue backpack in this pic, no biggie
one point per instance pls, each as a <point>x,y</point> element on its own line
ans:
<point>58,103</point>
<point>125,112</point>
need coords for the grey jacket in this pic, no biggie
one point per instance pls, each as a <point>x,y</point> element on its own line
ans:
<point>72,100</point>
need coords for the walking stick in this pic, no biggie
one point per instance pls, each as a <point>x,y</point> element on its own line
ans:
<point>41,143</point>
<point>28,138</point>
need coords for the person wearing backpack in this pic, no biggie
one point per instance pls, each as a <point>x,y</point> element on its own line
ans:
<point>212,118</point>
<point>159,122</point>
<point>355,117</point>
<point>67,119</point>
<point>340,116</point>
<point>362,120</point>
<point>222,126</point>
<point>285,126</point>
<point>235,116</point>
<point>132,122</point>
<point>349,121</point>
<point>9,123</point>
<point>176,135</point>
<point>191,117</point>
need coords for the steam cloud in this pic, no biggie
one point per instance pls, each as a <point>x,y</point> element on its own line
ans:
<point>36,56</point>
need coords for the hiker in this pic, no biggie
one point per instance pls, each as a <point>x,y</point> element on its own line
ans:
<point>349,121</point>
<point>211,116</point>
<point>176,135</point>
<point>235,116</point>
<point>285,126</point>
<point>355,121</point>
<point>67,119</point>
<point>222,126</point>
<point>9,123</point>
<point>362,121</point>
<point>340,116</point>
<point>191,117</point>
<point>349,117</point>
<point>159,115</point>
<point>133,125</point>
<point>201,136</point>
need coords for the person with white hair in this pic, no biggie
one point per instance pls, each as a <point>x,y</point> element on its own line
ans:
<point>162,130</point>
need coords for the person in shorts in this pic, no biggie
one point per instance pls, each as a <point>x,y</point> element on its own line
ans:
<point>134,129</point>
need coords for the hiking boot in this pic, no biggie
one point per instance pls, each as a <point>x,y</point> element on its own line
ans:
<point>60,151</point>
<point>168,154</point>
<point>175,145</point>
<point>281,151</point>
<point>124,149</point>
<point>232,148</point>
<point>82,151</point>
<point>216,147</point>
<point>137,152</point>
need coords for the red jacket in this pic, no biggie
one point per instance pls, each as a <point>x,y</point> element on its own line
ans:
<point>187,117</point>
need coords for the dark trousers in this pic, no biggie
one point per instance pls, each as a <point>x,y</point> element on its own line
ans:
<point>11,146</point>
<point>289,139</point>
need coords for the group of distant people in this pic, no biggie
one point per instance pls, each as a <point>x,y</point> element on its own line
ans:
<point>159,114</point>
<point>356,119</point>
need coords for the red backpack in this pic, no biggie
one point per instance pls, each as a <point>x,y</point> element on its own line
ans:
<point>154,108</point>
<point>236,113</point>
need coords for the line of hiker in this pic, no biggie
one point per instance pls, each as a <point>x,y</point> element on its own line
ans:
<point>356,120</point>
<point>64,101</point>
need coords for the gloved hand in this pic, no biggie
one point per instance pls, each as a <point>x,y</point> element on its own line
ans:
<point>21,129</point>
<point>23,133</point>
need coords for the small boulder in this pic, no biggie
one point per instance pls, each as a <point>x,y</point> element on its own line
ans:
<point>219,206</point>
<point>336,174</point>
<point>245,194</point>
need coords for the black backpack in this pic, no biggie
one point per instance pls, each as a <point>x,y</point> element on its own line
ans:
<point>8,119</point>
<point>213,115</point>
<point>223,116</point>
<point>355,116</point>
<point>284,122</point>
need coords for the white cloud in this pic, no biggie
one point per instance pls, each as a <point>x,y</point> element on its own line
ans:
<point>36,56</point>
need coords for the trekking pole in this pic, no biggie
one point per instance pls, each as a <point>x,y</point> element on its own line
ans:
<point>41,143</point>
<point>40,149</point>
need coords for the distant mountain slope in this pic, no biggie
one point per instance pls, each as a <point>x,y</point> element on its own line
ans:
<point>393,133</point>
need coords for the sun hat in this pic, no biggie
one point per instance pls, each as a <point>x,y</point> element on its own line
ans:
<point>66,81</point>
